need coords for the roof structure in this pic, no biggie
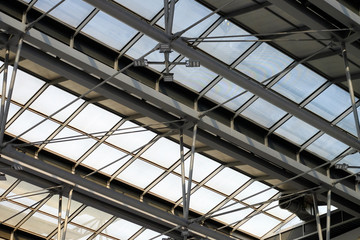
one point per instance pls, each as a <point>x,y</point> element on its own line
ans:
<point>179,119</point>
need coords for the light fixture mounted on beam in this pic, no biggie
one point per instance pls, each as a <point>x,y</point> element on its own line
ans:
<point>192,63</point>
<point>164,48</point>
<point>168,77</point>
<point>142,62</point>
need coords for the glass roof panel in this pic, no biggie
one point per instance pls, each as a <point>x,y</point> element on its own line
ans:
<point>53,99</point>
<point>71,148</point>
<point>52,206</point>
<point>72,12</point>
<point>195,78</point>
<point>12,110</point>
<point>227,51</point>
<point>169,187</point>
<point>121,229</point>
<point>227,181</point>
<point>163,152</point>
<point>203,166</point>
<point>263,113</point>
<point>91,218</point>
<point>255,188</point>
<point>24,187</point>
<point>93,119</point>
<point>8,210</point>
<point>74,232</point>
<point>197,200</point>
<point>264,62</point>
<point>277,211</point>
<point>109,30</point>
<point>234,216</point>
<point>327,147</point>
<point>147,9</point>
<point>352,160</point>
<point>252,226</point>
<point>224,90</point>
<point>299,83</point>
<point>348,123</point>
<point>25,85</point>
<point>328,106</point>
<point>296,130</point>
<point>186,8</point>
<point>41,224</point>
<point>140,173</point>
<point>4,185</point>
<point>130,136</point>
<point>29,119</point>
<point>293,222</point>
<point>149,234</point>
<point>104,155</point>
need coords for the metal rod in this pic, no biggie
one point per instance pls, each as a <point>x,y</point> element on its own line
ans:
<point>182,170</point>
<point>11,89</point>
<point>265,40</point>
<point>328,214</point>
<point>4,86</point>
<point>59,215</point>
<point>351,90</point>
<point>317,217</point>
<point>67,214</point>
<point>191,169</point>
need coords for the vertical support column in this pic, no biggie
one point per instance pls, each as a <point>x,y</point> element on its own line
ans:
<point>351,90</point>
<point>182,171</point>
<point>328,219</point>
<point>67,214</point>
<point>59,216</point>
<point>317,216</point>
<point>11,88</point>
<point>4,84</point>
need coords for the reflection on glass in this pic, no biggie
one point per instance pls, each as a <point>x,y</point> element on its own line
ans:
<point>186,8</point>
<point>299,83</point>
<point>227,51</point>
<point>348,123</point>
<point>327,147</point>
<point>197,200</point>
<point>147,9</point>
<point>72,12</point>
<point>121,229</point>
<point>263,113</point>
<point>296,130</point>
<point>224,90</point>
<point>264,62</point>
<point>195,78</point>
<point>227,181</point>
<point>109,30</point>
<point>267,223</point>
<point>140,173</point>
<point>328,106</point>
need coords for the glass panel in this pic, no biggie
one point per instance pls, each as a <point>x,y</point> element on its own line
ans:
<point>149,234</point>
<point>296,130</point>
<point>91,218</point>
<point>203,166</point>
<point>295,221</point>
<point>195,78</point>
<point>140,173</point>
<point>352,160</point>
<point>252,226</point>
<point>228,52</point>
<point>76,233</point>
<point>327,147</point>
<point>93,119</point>
<point>186,8</point>
<point>277,211</point>
<point>104,155</point>
<point>264,63</point>
<point>72,12</point>
<point>41,224</point>
<point>328,106</point>
<point>121,229</point>
<point>348,123</point>
<point>299,83</point>
<point>52,99</point>
<point>25,85</point>
<point>147,9</point>
<point>71,148</point>
<point>109,30</point>
<point>24,187</point>
<point>263,113</point>
<point>130,136</point>
<point>12,110</point>
<point>197,200</point>
<point>255,188</point>
<point>227,181</point>
<point>163,152</point>
<point>52,206</point>
<point>234,216</point>
<point>224,90</point>
<point>26,121</point>
<point>4,185</point>
<point>9,210</point>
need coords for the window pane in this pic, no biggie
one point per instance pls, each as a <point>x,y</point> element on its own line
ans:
<point>169,187</point>
<point>327,147</point>
<point>254,189</point>
<point>197,200</point>
<point>147,9</point>
<point>91,218</point>
<point>348,123</point>
<point>41,224</point>
<point>252,226</point>
<point>235,216</point>
<point>121,229</point>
